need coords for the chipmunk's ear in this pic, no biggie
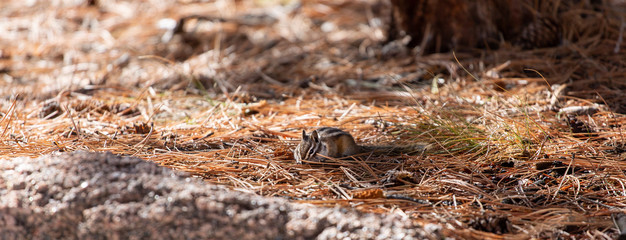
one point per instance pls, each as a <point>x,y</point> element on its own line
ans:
<point>316,136</point>
<point>304,136</point>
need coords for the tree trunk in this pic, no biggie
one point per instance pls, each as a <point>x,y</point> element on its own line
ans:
<point>444,25</point>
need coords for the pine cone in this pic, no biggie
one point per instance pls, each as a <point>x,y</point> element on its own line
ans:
<point>491,223</point>
<point>540,33</point>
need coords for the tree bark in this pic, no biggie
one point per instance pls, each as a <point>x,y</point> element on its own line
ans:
<point>444,25</point>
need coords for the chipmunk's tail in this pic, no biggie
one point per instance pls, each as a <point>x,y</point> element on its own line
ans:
<point>402,149</point>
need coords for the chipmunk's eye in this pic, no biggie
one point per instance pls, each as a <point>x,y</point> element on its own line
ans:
<point>310,153</point>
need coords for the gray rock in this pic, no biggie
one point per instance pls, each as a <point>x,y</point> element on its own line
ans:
<point>85,195</point>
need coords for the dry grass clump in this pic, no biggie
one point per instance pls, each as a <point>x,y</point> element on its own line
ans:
<point>513,154</point>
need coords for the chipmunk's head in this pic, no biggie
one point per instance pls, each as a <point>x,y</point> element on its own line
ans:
<point>307,148</point>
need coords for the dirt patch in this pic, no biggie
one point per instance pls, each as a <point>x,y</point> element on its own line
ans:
<point>104,196</point>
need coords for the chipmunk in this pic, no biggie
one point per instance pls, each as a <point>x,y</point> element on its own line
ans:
<point>336,143</point>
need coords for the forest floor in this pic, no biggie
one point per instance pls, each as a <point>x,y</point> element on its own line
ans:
<point>524,143</point>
